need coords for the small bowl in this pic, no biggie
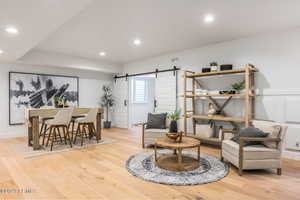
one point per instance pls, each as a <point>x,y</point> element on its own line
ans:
<point>173,136</point>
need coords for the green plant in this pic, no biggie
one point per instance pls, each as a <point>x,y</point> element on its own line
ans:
<point>238,86</point>
<point>107,100</point>
<point>59,101</point>
<point>175,115</point>
<point>213,64</point>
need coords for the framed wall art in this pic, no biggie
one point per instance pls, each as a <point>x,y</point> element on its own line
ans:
<point>30,90</point>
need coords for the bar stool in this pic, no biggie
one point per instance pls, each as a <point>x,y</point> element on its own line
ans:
<point>87,123</point>
<point>61,120</point>
<point>72,124</point>
<point>44,128</point>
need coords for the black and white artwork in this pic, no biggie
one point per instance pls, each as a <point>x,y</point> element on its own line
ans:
<point>27,90</point>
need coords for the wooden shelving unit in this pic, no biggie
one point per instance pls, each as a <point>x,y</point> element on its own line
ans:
<point>248,97</point>
<point>216,117</point>
<point>215,95</point>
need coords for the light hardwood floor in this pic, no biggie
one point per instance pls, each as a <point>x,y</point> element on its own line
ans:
<point>100,173</point>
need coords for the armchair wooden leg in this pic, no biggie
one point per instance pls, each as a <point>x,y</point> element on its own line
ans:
<point>240,171</point>
<point>279,171</point>
<point>143,136</point>
<point>241,157</point>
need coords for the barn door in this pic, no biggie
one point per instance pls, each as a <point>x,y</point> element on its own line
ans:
<point>165,92</point>
<point>120,114</point>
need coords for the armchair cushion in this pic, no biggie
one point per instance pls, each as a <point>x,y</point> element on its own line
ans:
<point>253,152</point>
<point>249,132</point>
<point>271,128</point>
<point>156,121</point>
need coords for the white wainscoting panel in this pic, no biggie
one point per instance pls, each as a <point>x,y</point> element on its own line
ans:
<point>292,109</point>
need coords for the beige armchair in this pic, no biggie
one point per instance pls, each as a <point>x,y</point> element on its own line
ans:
<point>254,156</point>
<point>149,136</point>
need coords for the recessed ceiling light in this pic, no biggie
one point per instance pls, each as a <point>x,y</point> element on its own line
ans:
<point>209,18</point>
<point>1,52</point>
<point>137,42</point>
<point>12,30</point>
<point>102,53</point>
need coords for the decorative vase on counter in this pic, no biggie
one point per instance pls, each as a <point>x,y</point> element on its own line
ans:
<point>173,127</point>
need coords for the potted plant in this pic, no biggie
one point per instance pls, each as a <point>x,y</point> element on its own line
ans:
<point>59,102</point>
<point>238,86</point>
<point>213,66</point>
<point>107,102</point>
<point>174,117</point>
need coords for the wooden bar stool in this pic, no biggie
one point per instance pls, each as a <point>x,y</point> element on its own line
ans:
<point>44,128</point>
<point>86,127</point>
<point>72,124</point>
<point>61,121</point>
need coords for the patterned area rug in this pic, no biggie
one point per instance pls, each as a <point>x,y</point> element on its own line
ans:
<point>211,169</point>
<point>57,147</point>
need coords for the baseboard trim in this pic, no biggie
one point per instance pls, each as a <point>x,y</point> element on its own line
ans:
<point>294,155</point>
<point>11,135</point>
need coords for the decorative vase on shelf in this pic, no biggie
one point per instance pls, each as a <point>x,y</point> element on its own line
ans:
<point>173,127</point>
<point>214,68</point>
<point>211,110</point>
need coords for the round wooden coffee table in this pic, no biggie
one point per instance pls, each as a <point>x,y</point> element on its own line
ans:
<point>176,161</point>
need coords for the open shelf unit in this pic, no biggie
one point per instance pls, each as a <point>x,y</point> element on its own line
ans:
<point>248,97</point>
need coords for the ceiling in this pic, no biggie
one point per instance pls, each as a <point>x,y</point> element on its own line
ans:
<point>35,20</point>
<point>84,28</point>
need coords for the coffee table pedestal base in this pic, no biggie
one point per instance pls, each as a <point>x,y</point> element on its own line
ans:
<point>171,162</point>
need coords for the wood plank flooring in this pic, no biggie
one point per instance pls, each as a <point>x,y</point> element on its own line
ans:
<point>99,173</point>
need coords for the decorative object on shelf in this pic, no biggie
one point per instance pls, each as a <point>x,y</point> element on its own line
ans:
<point>176,137</point>
<point>175,116</point>
<point>205,69</point>
<point>227,92</point>
<point>225,67</point>
<point>205,130</point>
<point>201,91</point>
<point>211,110</point>
<point>30,90</point>
<point>238,86</point>
<point>213,66</point>
<point>213,92</point>
<point>107,101</point>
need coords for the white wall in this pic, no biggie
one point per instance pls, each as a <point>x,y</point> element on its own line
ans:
<point>90,90</point>
<point>277,57</point>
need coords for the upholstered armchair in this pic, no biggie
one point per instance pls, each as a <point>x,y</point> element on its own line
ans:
<point>254,156</point>
<point>149,136</point>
